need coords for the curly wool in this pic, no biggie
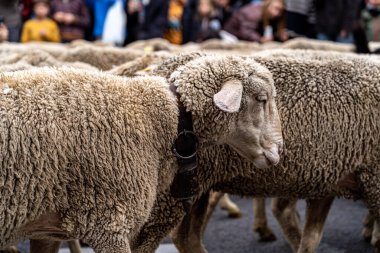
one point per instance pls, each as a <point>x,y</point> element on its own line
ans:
<point>85,146</point>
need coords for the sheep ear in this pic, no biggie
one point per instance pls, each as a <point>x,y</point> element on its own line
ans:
<point>228,99</point>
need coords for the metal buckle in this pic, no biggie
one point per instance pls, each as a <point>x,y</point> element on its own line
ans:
<point>191,137</point>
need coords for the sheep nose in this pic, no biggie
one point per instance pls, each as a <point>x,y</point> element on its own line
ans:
<point>273,154</point>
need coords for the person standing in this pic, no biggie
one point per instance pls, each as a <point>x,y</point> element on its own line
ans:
<point>300,18</point>
<point>146,19</point>
<point>370,20</point>
<point>41,28</point>
<point>173,32</point>
<point>335,19</point>
<point>10,12</point>
<point>73,18</point>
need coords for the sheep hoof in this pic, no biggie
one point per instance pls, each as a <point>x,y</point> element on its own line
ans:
<point>232,212</point>
<point>367,234</point>
<point>11,249</point>
<point>265,234</point>
<point>234,215</point>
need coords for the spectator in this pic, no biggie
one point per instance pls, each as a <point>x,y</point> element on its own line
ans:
<point>335,19</point>
<point>41,28</point>
<point>173,32</point>
<point>3,32</point>
<point>100,9</point>
<point>73,18</point>
<point>370,19</point>
<point>210,23</point>
<point>190,21</point>
<point>259,22</point>
<point>300,18</point>
<point>26,9</point>
<point>147,19</point>
<point>223,9</point>
<point>10,12</point>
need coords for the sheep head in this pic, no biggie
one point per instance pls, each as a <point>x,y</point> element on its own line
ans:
<point>232,101</point>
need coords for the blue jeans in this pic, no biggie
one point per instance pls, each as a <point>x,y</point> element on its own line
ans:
<point>349,39</point>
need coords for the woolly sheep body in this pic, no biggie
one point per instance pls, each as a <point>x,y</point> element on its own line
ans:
<point>314,97</point>
<point>326,140</point>
<point>35,58</point>
<point>341,94</point>
<point>64,149</point>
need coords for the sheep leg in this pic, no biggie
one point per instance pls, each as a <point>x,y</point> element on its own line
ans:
<point>368,224</point>
<point>316,214</point>
<point>11,249</point>
<point>187,237</point>
<point>158,225</point>
<point>375,241</point>
<point>260,224</point>
<point>44,246</point>
<point>74,246</point>
<point>287,216</point>
<point>232,209</point>
<point>213,201</point>
<point>369,180</point>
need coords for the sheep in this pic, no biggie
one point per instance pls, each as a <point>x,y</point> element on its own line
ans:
<point>92,151</point>
<point>53,49</point>
<point>141,65</point>
<point>35,58</point>
<point>304,43</point>
<point>152,45</point>
<point>314,96</point>
<point>104,58</point>
<point>215,44</point>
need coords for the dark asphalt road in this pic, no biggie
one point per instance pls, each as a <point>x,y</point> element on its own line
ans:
<point>342,231</point>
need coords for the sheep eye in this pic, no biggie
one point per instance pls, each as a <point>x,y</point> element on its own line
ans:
<point>262,98</point>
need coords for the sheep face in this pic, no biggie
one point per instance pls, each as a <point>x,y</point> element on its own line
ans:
<point>256,133</point>
<point>233,102</point>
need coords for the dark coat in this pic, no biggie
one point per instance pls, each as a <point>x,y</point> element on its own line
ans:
<point>155,19</point>
<point>153,23</point>
<point>334,16</point>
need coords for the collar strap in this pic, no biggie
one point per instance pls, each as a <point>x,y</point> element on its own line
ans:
<point>185,184</point>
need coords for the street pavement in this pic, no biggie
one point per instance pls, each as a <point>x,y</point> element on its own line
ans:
<point>225,235</point>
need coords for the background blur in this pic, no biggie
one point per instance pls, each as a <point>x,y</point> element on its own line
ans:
<point>181,21</point>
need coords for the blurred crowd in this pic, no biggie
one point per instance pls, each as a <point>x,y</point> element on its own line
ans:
<point>182,21</point>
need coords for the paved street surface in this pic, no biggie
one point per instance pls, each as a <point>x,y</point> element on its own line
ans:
<point>224,235</point>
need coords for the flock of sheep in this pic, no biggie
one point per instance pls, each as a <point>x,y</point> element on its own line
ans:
<point>87,130</point>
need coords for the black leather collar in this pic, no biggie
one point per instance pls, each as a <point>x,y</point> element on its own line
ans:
<point>185,185</point>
